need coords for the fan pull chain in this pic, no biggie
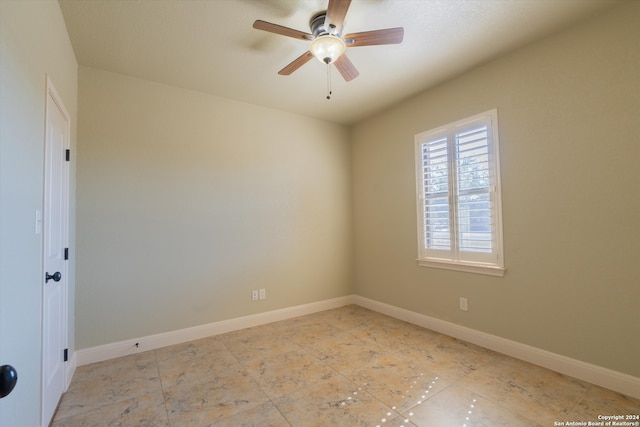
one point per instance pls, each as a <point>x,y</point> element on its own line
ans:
<point>328,82</point>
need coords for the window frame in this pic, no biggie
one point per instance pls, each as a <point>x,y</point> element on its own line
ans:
<point>492,262</point>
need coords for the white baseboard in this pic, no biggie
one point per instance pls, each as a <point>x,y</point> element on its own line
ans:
<point>613,380</point>
<point>152,342</point>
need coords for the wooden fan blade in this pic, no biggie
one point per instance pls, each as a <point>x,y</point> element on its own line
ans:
<point>346,68</point>
<point>279,29</point>
<point>375,37</point>
<point>296,63</point>
<point>336,12</point>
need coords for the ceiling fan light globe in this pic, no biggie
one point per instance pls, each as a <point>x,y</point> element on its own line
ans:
<point>327,48</point>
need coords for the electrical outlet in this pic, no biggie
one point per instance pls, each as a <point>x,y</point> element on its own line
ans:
<point>254,295</point>
<point>263,294</point>
<point>464,304</point>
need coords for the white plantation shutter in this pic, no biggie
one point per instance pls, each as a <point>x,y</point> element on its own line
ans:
<point>436,215</point>
<point>459,209</point>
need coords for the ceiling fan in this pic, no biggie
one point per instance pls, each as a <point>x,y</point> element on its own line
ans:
<point>327,43</point>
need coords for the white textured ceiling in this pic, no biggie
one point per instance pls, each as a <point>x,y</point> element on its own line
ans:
<point>210,45</point>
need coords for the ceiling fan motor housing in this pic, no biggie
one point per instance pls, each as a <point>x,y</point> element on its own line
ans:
<point>316,24</point>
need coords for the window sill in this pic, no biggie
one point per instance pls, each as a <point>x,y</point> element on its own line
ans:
<point>467,267</point>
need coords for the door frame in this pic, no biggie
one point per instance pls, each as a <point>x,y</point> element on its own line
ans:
<point>64,307</point>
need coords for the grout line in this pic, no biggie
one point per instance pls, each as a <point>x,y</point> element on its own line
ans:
<point>164,399</point>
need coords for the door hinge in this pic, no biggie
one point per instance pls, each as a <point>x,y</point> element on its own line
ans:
<point>66,355</point>
<point>67,155</point>
<point>66,254</point>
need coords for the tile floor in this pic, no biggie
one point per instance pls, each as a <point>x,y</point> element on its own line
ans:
<point>344,367</point>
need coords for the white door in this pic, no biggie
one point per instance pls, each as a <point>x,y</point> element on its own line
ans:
<point>55,244</point>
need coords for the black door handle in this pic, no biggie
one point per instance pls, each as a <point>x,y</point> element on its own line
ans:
<point>8,379</point>
<point>55,276</point>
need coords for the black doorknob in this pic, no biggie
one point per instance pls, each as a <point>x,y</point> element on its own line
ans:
<point>55,276</point>
<point>8,379</point>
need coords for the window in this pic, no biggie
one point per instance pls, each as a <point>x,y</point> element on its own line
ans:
<point>459,203</point>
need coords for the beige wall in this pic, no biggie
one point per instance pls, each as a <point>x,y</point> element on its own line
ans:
<point>187,202</point>
<point>33,43</point>
<point>569,117</point>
